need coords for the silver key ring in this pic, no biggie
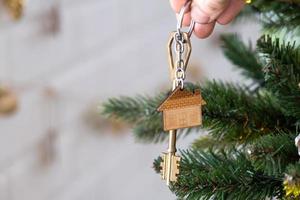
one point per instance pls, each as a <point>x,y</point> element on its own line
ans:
<point>180,18</point>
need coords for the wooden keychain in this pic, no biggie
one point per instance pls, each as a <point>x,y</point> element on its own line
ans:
<point>182,108</point>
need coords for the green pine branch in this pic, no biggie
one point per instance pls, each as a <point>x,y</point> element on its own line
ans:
<point>242,56</point>
<point>226,175</point>
<point>234,114</point>
<point>282,73</point>
<point>277,15</point>
<point>277,147</point>
<point>232,174</point>
<point>271,148</point>
<point>231,114</point>
<point>140,113</point>
<point>205,142</point>
<point>131,110</point>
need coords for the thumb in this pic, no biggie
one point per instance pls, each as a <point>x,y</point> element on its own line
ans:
<point>206,11</point>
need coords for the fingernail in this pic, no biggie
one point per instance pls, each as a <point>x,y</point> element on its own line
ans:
<point>200,17</point>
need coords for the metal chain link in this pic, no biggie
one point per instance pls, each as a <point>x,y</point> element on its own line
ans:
<point>180,48</point>
<point>180,63</point>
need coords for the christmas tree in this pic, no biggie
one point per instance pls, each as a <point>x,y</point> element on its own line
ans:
<point>249,151</point>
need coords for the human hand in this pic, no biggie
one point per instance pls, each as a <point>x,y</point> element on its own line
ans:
<point>206,13</point>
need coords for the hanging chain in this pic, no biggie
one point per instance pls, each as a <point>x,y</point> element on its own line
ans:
<point>179,47</point>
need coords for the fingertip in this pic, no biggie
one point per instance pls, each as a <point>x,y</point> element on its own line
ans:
<point>204,30</point>
<point>223,21</point>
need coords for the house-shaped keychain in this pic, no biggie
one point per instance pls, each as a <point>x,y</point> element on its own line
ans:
<point>182,109</point>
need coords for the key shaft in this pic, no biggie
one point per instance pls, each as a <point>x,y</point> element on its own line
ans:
<point>170,163</point>
<point>171,152</point>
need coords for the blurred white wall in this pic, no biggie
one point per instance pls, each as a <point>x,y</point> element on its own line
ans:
<point>61,59</point>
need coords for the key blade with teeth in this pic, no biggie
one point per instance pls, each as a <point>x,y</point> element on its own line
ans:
<point>170,167</point>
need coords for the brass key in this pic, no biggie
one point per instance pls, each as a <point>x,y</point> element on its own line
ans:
<point>180,40</point>
<point>170,163</point>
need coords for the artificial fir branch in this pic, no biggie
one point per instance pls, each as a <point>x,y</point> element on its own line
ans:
<point>226,175</point>
<point>131,110</point>
<point>280,15</point>
<point>205,142</point>
<point>157,164</point>
<point>150,129</point>
<point>279,147</point>
<point>232,174</point>
<point>235,115</point>
<point>282,72</point>
<point>231,113</point>
<point>242,56</point>
<point>276,147</point>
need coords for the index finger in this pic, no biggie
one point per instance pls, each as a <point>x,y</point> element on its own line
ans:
<point>177,5</point>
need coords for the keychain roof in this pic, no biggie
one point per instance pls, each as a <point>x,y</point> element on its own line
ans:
<point>181,98</point>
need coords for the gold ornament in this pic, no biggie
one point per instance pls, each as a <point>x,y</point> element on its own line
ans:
<point>15,7</point>
<point>291,188</point>
<point>248,1</point>
<point>8,101</point>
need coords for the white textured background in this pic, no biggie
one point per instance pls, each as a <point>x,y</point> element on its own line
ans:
<point>87,51</point>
